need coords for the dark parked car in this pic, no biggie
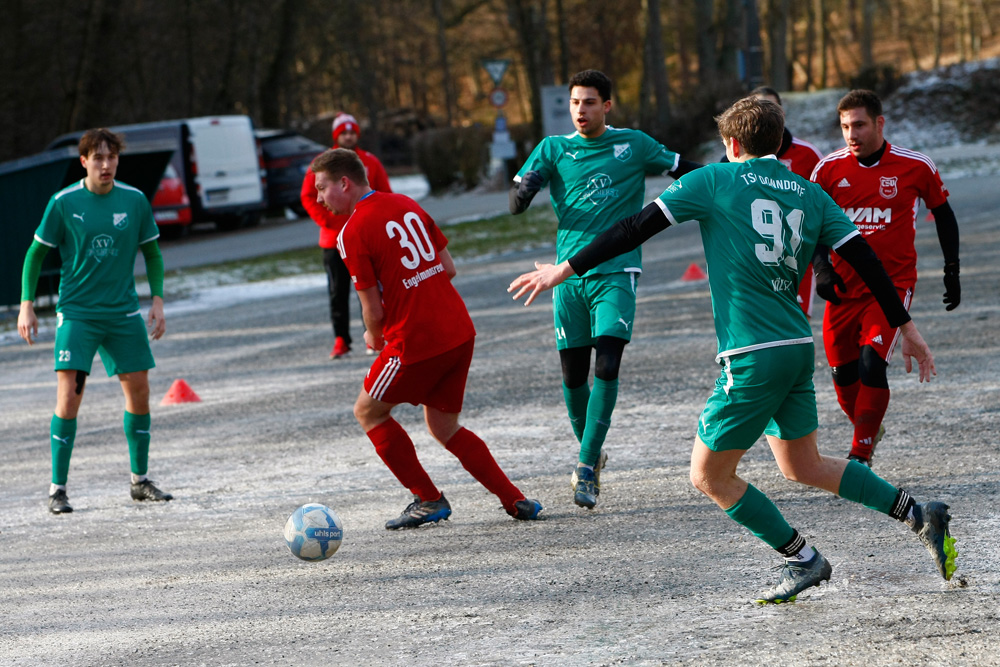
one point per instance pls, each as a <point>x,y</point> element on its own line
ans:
<point>287,156</point>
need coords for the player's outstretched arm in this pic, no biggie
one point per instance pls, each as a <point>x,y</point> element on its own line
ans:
<point>625,235</point>
<point>914,347</point>
<point>448,263</point>
<point>544,277</point>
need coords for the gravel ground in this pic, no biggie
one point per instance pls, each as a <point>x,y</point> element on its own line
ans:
<point>656,574</point>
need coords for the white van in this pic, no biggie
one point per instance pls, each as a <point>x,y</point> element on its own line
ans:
<point>216,172</point>
<point>228,170</point>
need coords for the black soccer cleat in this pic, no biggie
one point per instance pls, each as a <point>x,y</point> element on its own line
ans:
<point>420,512</point>
<point>59,503</point>
<point>146,490</point>
<point>526,510</point>
<point>795,578</point>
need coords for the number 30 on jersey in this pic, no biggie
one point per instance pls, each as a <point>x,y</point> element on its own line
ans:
<point>413,239</point>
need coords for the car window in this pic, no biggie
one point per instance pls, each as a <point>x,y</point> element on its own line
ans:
<point>291,145</point>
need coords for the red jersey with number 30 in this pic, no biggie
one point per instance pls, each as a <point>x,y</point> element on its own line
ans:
<point>882,201</point>
<point>392,243</point>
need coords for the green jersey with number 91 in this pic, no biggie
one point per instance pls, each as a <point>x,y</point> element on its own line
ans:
<point>760,224</point>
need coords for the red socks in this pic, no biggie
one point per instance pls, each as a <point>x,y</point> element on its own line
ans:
<point>475,457</point>
<point>869,410</point>
<point>396,450</point>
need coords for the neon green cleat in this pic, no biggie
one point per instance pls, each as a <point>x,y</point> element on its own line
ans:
<point>795,578</point>
<point>932,529</point>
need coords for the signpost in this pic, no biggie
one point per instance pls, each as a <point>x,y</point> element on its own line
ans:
<point>502,148</point>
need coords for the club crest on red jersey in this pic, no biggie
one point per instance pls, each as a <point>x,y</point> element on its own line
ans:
<point>887,186</point>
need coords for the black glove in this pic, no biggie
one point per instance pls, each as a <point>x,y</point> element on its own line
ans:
<point>522,193</point>
<point>531,183</point>
<point>827,282</point>
<point>952,286</point>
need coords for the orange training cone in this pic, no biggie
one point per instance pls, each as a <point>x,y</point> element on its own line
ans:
<point>180,392</point>
<point>694,273</point>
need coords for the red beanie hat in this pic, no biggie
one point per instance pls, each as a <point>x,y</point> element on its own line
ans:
<point>345,122</point>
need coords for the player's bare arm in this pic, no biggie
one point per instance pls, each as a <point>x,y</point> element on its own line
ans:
<point>448,263</point>
<point>373,314</point>
<point>863,260</point>
<point>27,322</point>
<point>625,235</point>
<point>544,277</point>
<point>914,347</point>
<point>156,323</point>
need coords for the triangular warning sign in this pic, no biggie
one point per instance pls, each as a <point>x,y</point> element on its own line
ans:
<point>496,68</point>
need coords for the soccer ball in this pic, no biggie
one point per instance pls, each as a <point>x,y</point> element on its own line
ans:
<point>313,532</point>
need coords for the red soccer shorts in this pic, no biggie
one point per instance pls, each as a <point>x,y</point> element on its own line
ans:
<point>438,382</point>
<point>856,323</point>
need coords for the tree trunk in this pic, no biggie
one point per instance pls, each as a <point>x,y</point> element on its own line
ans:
<point>732,38</point>
<point>654,113</point>
<point>777,36</point>
<point>937,28</point>
<point>819,18</point>
<point>442,40</point>
<point>564,51</point>
<point>867,33</point>
<point>705,42</point>
<point>279,73</point>
<point>680,38</point>
<point>527,18</point>
<point>78,101</point>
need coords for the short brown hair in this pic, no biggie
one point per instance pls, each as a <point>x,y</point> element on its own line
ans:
<point>92,140</point>
<point>337,162</point>
<point>861,98</point>
<point>758,125</point>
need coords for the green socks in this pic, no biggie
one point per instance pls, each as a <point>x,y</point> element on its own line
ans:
<point>137,435</point>
<point>599,408</point>
<point>576,406</point>
<point>758,514</point>
<point>63,432</point>
<point>859,484</point>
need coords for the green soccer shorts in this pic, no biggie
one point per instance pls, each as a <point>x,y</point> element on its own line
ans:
<point>122,342</point>
<point>764,391</point>
<point>600,305</point>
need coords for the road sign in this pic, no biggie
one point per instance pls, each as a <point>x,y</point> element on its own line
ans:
<point>496,68</point>
<point>498,97</point>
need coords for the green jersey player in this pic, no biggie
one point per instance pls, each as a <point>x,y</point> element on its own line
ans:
<point>759,224</point>
<point>595,176</point>
<point>99,225</point>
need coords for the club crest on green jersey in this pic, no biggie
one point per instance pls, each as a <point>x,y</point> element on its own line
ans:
<point>120,220</point>
<point>102,247</point>
<point>599,189</point>
<point>623,152</point>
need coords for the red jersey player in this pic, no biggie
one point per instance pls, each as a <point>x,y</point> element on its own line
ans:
<point>420,327</point>
<point>799,157</point>
<point>346,133</point>
<point>878,186</point>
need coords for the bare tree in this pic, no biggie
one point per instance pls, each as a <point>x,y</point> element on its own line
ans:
<point>654,105</point>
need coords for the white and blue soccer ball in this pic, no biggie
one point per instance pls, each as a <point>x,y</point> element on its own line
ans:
<point>314,532</point>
